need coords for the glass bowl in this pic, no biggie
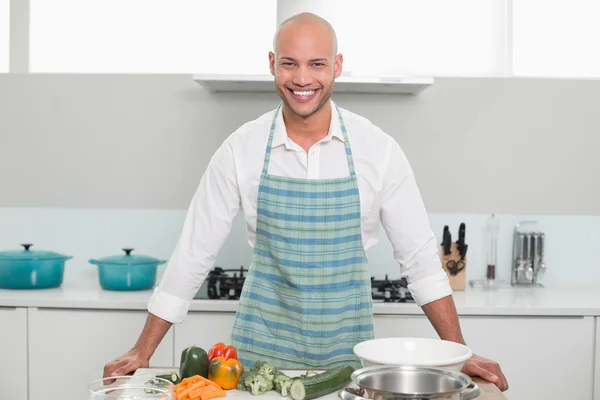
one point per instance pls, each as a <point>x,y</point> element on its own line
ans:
<point>146,387</point>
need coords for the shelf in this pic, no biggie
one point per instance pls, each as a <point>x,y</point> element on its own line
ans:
<point>344,84</point>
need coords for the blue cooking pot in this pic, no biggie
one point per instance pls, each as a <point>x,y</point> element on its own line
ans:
<point>127,271</point>
<point>31,269</point>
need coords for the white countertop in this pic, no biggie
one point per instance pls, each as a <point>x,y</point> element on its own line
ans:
<point>506,301</point>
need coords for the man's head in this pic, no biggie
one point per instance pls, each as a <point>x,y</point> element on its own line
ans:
<point>305,63</point>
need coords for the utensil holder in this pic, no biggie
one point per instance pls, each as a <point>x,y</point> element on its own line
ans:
<point>457,278</point>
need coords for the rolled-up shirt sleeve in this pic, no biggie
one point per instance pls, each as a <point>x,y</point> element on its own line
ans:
<point>207,224</point>
<point>407,226</point>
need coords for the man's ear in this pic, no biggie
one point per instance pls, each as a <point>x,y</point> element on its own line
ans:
<point>272,63</point>
<point>337,65</point>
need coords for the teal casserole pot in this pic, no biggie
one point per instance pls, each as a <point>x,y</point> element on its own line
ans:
<point>127,271</point>
<point>31,269</point>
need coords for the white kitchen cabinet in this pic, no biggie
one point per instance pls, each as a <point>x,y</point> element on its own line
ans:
<point>202,329</point>
<point>542,357</point>
<point>68,348</point>
<point>597,357</point>
<point>403,325</point>
<point>13,353</point>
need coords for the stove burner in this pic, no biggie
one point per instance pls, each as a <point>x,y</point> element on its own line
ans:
<point>221,285</point>
<point>227,284</point>
<point>395,291</point>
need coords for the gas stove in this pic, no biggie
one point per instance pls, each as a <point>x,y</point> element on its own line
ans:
<point>390,291</point>
<point>226,284</point>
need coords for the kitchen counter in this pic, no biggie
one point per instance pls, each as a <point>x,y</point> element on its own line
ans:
<point>507,301</point>
<point>489,391</point>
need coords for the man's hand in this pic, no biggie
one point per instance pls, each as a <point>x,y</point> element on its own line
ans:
<point>485,369</point>
<point>127,363</point>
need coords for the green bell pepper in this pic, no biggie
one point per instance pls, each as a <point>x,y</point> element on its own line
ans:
<point>194,361</point>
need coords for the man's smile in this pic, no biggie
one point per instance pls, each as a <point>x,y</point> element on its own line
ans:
<point>304,95</point>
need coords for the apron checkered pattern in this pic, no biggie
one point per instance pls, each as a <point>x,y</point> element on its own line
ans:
<point>306,300</point>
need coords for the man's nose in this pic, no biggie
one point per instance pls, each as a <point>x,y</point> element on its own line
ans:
<point>302,77</point>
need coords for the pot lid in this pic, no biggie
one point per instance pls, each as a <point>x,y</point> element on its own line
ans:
<point>30,255</point>
<point>127,259</point>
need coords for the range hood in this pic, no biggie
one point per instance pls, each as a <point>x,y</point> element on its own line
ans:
<point>346,83</point>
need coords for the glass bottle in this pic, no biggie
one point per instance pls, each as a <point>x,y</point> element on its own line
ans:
<point>492,228</point>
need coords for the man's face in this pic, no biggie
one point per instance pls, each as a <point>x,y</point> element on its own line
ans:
<point>305,67</point>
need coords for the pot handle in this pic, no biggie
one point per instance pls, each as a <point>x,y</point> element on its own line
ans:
<point>351,394</point>
<point>471,393</point>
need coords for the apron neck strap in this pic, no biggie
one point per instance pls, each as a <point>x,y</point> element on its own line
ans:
<point>344,133</point>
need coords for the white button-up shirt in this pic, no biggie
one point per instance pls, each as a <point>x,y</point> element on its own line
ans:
<point>386,184</point>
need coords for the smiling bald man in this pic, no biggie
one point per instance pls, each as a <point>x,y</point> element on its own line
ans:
<point>314,182</point>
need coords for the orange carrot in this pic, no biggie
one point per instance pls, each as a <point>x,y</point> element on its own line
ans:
<point>211,392</point>
<point>192,387</point>
<point>209,382</point>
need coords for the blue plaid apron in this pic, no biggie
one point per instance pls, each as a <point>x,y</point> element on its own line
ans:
<point>306,300</point>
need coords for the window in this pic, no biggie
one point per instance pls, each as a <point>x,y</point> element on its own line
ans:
<point>556,38</point>
<point>151,36</point>
<point>4,34</point>
<point>420,37</point>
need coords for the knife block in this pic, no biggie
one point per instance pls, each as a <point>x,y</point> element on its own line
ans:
<point>457,282</point>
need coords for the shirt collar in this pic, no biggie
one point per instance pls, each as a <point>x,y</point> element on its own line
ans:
<point>280,136</point>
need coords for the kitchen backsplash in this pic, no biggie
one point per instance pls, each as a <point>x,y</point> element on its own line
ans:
<point>572,242</point>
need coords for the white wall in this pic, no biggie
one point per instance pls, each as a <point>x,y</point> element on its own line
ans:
<point>143,141</point>
<point>93,163</point>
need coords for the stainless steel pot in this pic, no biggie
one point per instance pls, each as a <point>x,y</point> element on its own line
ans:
<point>389,382</point>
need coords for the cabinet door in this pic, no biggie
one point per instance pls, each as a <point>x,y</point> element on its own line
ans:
<point>202,329</point>
<point>534,352</point>
<point>403,326</point>
<point>542,357</point>
<point>13,353</point>
<point>597,369</point>
<point>69,348</point>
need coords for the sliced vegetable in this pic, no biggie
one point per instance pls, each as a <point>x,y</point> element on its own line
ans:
<point>194,361</point>
<point>306,388</point>
<point>173,377</point>
<point>225,373</point>
<point>197,388</point>
<point>222,350</point>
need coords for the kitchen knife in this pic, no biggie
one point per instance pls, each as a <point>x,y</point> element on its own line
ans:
<point>447,240</point>
<point>460,243</point>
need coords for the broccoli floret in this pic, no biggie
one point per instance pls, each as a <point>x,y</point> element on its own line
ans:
<point>241,386</point>
<point>268,371</point>
<point>258,365</point>
<point>258,383</point>
<point>282,383</point>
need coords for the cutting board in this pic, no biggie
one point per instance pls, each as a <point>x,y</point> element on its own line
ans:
<point>489,391</point>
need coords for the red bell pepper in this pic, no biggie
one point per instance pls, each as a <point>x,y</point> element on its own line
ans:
<point>221,350</point>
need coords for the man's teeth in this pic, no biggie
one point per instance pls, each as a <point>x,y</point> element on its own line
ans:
<point>307,93</point>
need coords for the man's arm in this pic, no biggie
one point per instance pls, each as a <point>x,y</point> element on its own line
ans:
<point>406,223</point>
<point>407,226</point>
<point>444,318</point>
<point>139,356</point>
<point>206,226</point>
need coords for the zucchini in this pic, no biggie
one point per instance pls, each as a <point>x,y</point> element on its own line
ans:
<point>173,377</point>
<point>307,388</point>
